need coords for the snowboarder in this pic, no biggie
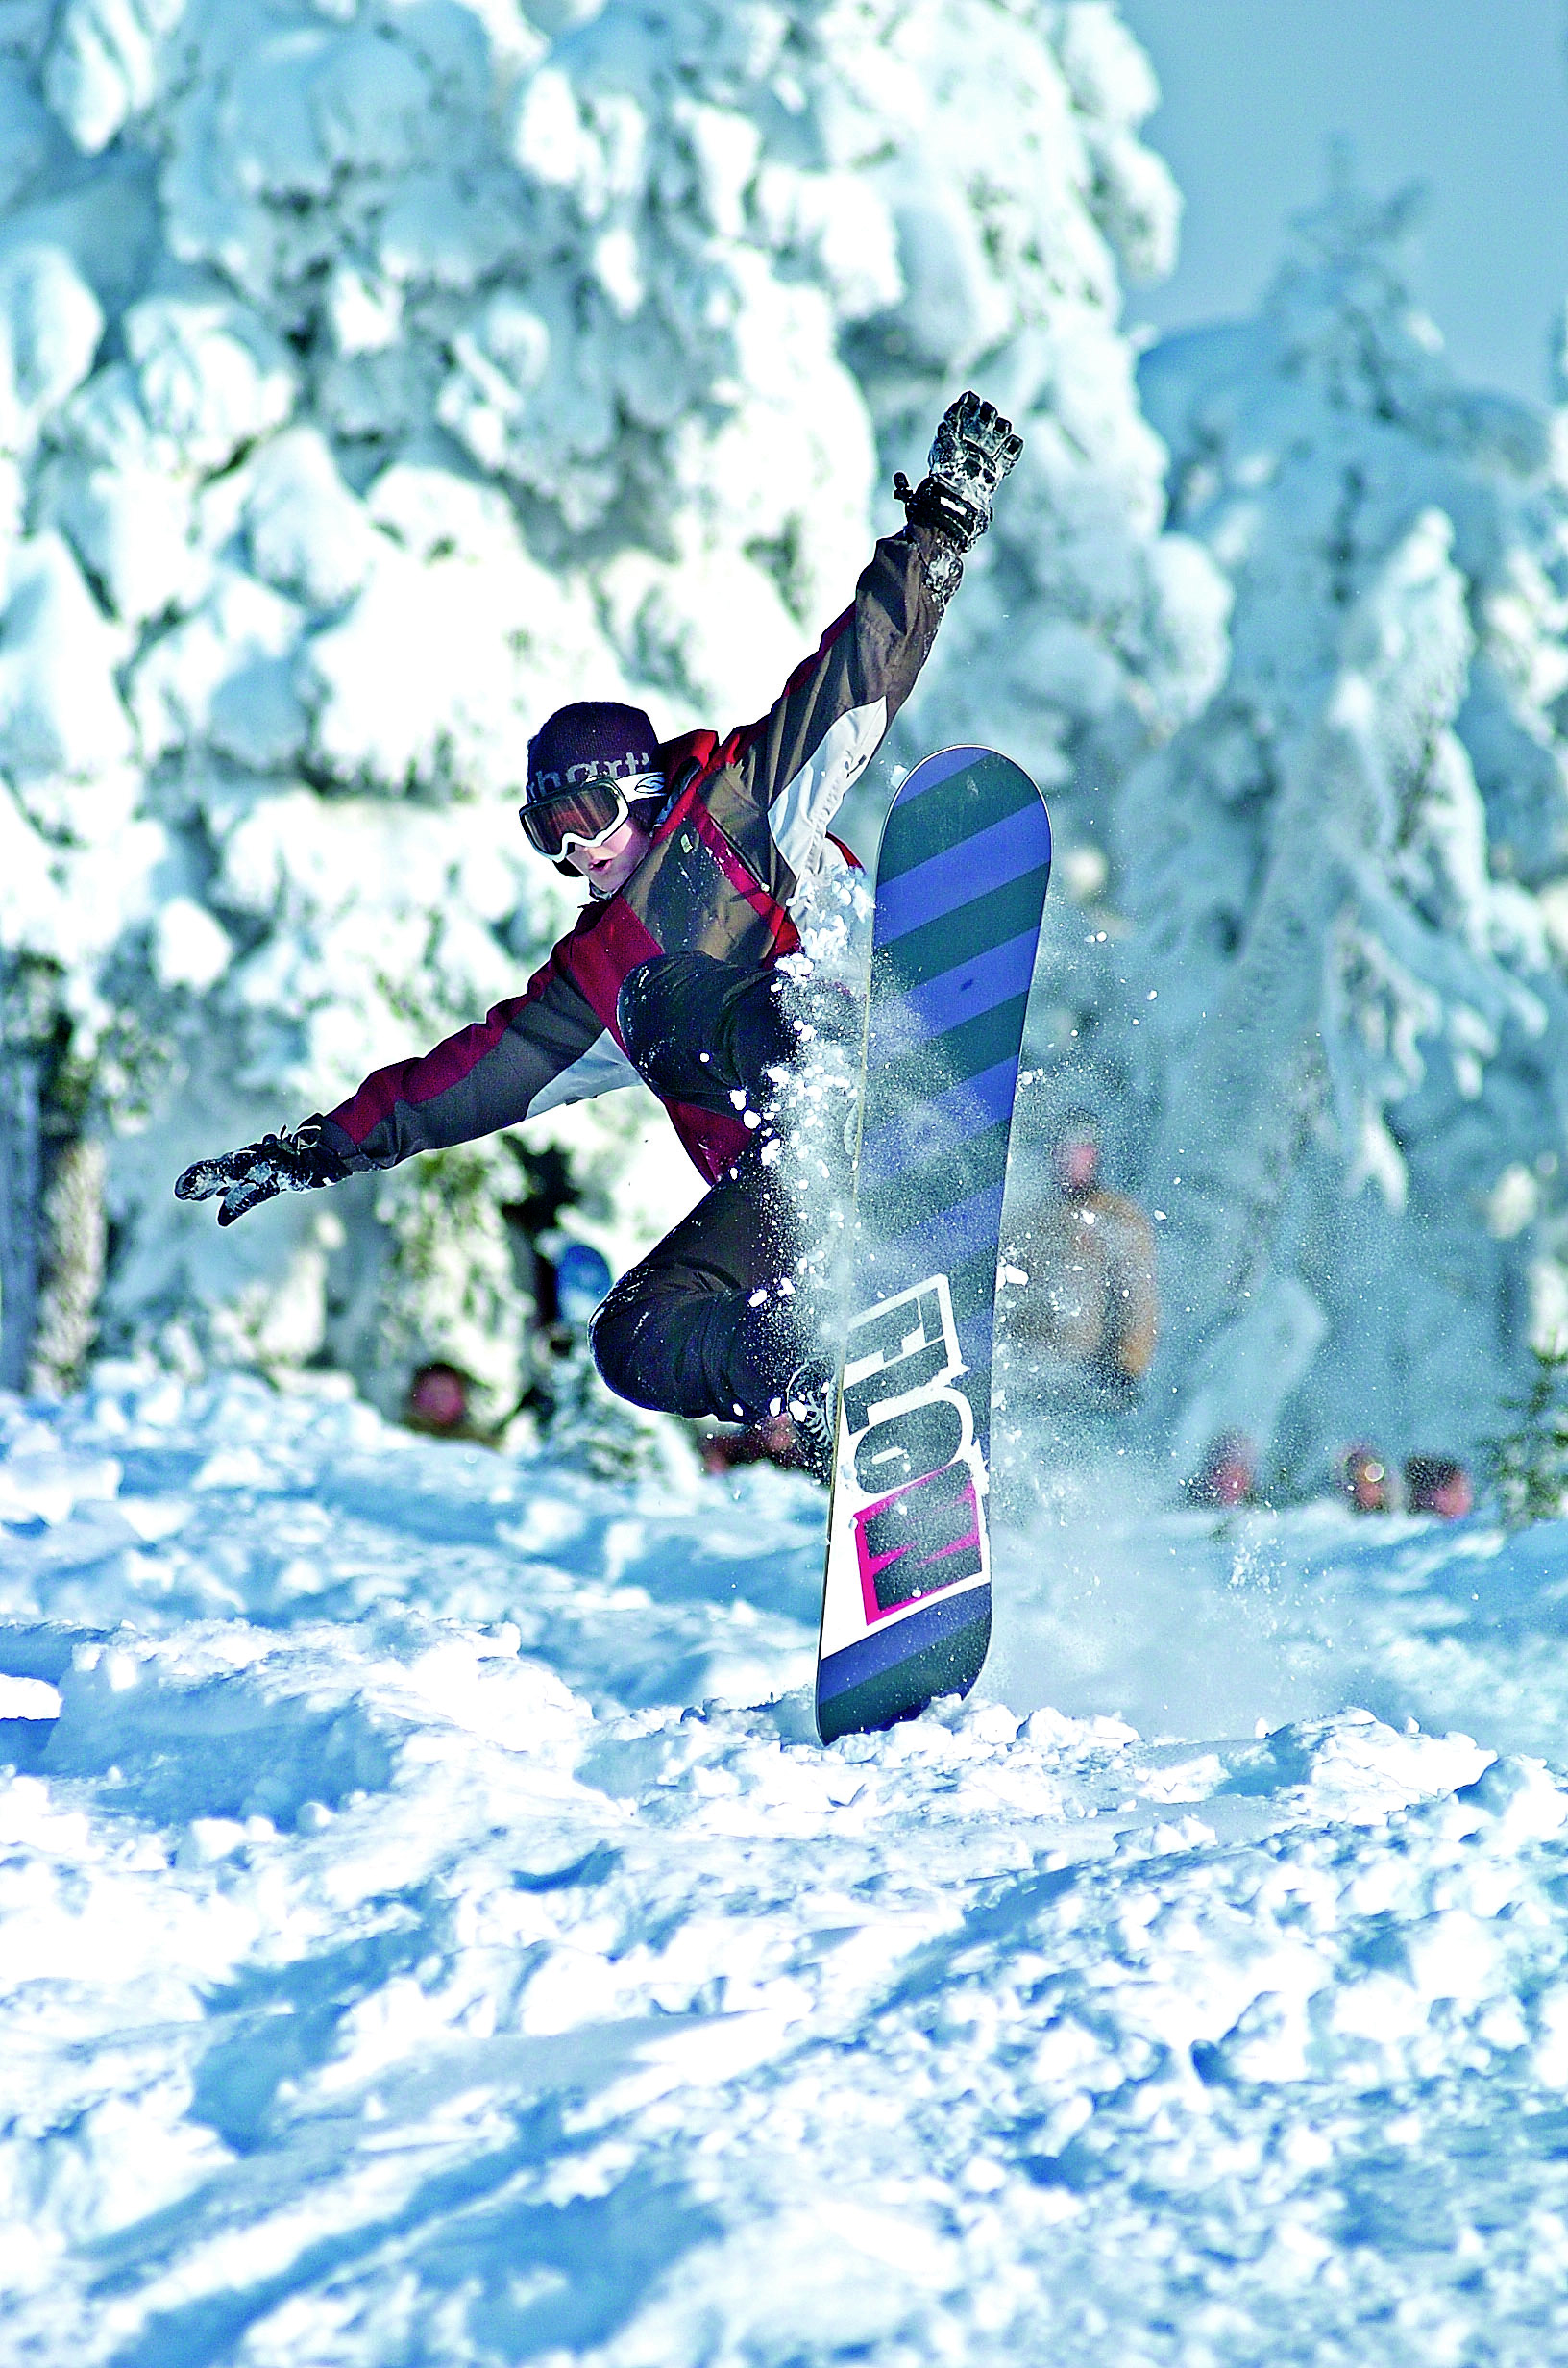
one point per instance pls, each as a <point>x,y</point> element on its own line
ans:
<point>693,852</point>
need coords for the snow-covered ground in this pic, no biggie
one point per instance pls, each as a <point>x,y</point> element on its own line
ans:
<point>425,1940</point>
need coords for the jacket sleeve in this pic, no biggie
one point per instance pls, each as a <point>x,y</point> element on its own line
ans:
<point>543,1047</point>
<point>826,725</point>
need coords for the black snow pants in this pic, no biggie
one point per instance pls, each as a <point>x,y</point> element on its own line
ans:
<point>701,1326</point>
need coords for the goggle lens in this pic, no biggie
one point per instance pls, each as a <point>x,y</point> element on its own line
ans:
<point>585,816</point>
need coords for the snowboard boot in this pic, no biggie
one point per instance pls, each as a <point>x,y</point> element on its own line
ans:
<point>779,1365</point>
<point>810,1402</point>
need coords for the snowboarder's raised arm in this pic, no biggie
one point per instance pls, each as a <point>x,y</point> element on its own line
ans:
<point>532,1053</point>
<point>821,731</point>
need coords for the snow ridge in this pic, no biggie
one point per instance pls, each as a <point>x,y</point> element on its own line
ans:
<point>380,1978</point>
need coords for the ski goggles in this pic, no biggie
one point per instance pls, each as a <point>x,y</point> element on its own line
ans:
<point>586,815</point>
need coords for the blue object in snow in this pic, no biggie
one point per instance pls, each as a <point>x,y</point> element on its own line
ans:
<point>582,1277</point>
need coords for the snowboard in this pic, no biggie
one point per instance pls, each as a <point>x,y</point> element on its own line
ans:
<point>961,878</point>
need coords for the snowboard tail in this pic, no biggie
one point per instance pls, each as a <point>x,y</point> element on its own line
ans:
<point>961,881</point>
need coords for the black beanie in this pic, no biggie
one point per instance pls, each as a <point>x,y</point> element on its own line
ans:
<point>598,739</point>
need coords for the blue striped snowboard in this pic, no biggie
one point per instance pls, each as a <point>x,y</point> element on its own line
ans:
<point>960,880</point>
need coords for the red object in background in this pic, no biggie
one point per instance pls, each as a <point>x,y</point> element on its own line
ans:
<point>774,1442</point>
<point>1437,1483</point>
<point>1077,1163</point>
<point>1368,1481</point>
<point>438,1398</point>
<point>1229,1473</point>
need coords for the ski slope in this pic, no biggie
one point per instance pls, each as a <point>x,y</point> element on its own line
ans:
<point>428,1931</point>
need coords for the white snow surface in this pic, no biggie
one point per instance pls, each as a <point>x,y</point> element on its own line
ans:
<point>429,1931</point>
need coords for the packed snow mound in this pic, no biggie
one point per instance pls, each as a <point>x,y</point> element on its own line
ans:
<point>374,380</point>
<point>408,1935</point>
<point>1344,882</point>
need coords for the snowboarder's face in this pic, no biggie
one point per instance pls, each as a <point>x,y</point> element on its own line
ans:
<point>610,864</point>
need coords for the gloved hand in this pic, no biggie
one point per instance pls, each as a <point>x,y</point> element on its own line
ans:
<point>970,454</point>
<point>296,1161</point>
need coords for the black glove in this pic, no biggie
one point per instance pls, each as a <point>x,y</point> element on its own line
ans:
<point>970,454</point>
<point>296,1161</point>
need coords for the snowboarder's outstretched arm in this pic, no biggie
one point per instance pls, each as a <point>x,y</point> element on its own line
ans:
<point>530,1053</point>
<point>799,761</point>
<point>533,1052</point>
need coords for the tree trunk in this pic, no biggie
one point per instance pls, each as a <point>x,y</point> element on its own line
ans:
<point>20,1183</point>
<point>72,1276</point>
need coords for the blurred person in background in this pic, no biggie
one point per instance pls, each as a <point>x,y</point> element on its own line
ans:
<point>1438,1484</point>
<point>1085,1325</point>
<point>1228,1475</point>
<point>1368,1482</point>
<point>727,1447</point>
<point>568,1278</point>
<point>437,1401</point>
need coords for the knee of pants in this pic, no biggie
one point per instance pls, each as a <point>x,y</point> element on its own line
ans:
<point>699,1029</point>
<point>689,1353</point>
<point>637,1340</point>
<point>612,1339</point>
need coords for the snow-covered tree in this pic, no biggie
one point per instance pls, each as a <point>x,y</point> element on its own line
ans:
<point>1349,877</point>
<point>1085,633</point>
<point>374,378</point>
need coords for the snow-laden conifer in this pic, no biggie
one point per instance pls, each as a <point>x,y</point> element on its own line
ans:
<point>1346,877</point>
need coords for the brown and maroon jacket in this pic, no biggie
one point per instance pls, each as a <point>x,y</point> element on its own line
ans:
<point>744,821</point>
